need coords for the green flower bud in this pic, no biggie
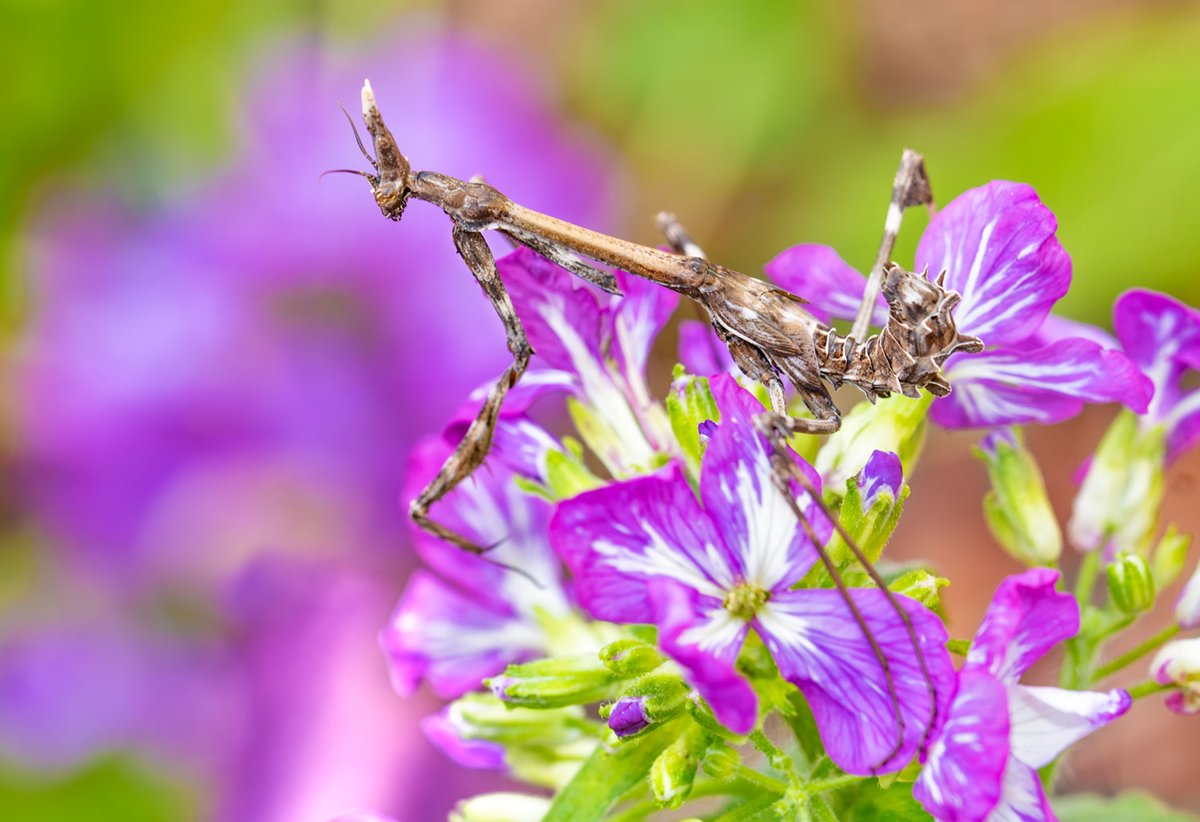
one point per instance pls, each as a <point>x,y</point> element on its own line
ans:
<point>1121,494</point>
<point>555,682</point>
<point>689,403</point>
<point>896,424</point>
<point>500,807</point>
<point>921,585</point>
<point>722,762</point>
<point>1169,557</point>
<point>483,716</point>
<point>1017,509</point>
<point>674,771</point>
<point>1130,584</point>
<point>630,657</point>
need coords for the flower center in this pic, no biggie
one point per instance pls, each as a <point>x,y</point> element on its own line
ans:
<point>745,600</point>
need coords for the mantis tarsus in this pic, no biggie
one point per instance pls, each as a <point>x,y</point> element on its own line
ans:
<point>766,329</point>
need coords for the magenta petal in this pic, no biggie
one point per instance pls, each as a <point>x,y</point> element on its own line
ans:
<point>563,320</point>
<point>1162,335</point>
<point>617,538</point>
<point>1045,721</point>
<point>1027,617</point>
<point>964,771</point>
<point>1012,386</point>
<point>754,519</point>
<point>637,317</point>
<point>704,638</point>
<point>1057,328</point>
<point>820,648</point>
<point>833,289</point>
<point>491,510</point>
<point>997,244</point>
<point>451,640</point>
<point>1022,798</point>
<point>441,730</point>
<point>1183,426</point>
<point>628,716</point>
<point>883,473</point>
<point>701,351</point>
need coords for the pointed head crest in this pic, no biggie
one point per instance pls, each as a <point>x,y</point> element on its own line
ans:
<point>390,183</point>
<point>922,326</point>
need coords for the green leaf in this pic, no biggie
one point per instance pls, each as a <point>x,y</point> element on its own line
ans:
<point>113,789</point>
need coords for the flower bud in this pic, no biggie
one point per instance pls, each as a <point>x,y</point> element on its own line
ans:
<point>674,771</point>
<point>482,717</point>
<point>651,700</point>
<point>1178,663</point>
<point>1119,500</point>
<point>1131,584</point>
<point>921,585</point>
<point>1017,509</point>
<point>896,424</point>
<point>630,657</point>
<point>1187,608</point>
<point>874,499</point>
<point>721,762</point>
<point>555,682</point>
<point>500,807</point>
<point>690,403</point>
<point>1169,557</point>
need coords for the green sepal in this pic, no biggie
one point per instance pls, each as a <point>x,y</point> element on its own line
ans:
<point>567,476</point>
<point>631,657</point>
<point>923,586</point>
<point>1017,509</point>
<point>555,682</point>
<point>674,771</point>
<point>689,403</point>
<point>1170,556</point>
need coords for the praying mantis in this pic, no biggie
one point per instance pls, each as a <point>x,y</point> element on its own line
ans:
<point>766,329</point>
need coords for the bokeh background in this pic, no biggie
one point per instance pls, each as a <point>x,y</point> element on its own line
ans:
<point>214,366</point>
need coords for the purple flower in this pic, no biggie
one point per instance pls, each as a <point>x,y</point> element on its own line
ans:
<point>983,764</point>
<point>882,474</point>
<point>600,344</point>
<point>1178,663</point>
<point>455,635</point>
<point>707,571</point>
<point>1162,337</point>
<point>446,730</point>
<point>998,247</point>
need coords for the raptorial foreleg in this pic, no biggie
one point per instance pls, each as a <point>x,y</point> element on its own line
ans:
<point>477,441</point>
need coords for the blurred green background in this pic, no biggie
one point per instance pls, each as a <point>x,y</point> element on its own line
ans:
<point>761,124</point>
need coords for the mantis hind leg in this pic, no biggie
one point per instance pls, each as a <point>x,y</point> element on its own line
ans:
<point>477,440</point>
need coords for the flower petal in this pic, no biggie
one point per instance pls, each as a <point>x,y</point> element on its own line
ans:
<point>701,351</point>
<point>637,317</point>
<point>820,648</point>
<point>704,638</point>
<point>883,473</point>
<point>491,510</point>
<point>451,640</point>
<point>1048,385</point>
<point>618,537</point>
<point>1158,331</point>
<point>441,730</point>
<point>753,517</point>
<point>1183,426</point>
<point>832,288</point>
<point>997,244</point>
<point>1022,798</point>
<point>962,777</point>
<point>1026,618</point>
<point>563,320</point>
<point>1047,720</point>
<point>1057,328</point>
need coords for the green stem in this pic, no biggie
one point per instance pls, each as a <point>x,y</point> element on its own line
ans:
<point>1089,569</point>
<point>749,809</point>
<point>711,787</point>
<point>760,779</point>
<point>607,775</point>
<point>776,757</point>
<point>1151,644</point>
<point>1148,688</point>
<point>833,784</point>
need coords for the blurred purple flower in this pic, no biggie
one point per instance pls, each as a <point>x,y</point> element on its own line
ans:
<point>707,571</point>
<point>244,369</point>
<point>983,764</point>
<point>998,246</point>
<point>1162,337</point>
